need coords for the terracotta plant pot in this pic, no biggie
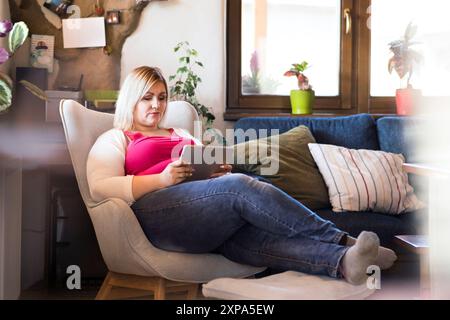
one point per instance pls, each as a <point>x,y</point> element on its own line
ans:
<point>406,100</point>
<point>302,101</point>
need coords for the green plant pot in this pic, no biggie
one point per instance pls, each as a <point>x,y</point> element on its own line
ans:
<point>302,101</point>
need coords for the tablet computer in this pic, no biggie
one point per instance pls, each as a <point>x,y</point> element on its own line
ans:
<point>206,160</point>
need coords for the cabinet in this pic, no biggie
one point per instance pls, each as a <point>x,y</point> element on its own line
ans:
<point>72,239</point>
<point>56,229</point>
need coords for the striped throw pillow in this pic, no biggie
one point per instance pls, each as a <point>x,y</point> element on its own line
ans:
<point>365,180</point>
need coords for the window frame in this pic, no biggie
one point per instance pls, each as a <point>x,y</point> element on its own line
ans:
<point>354,84</point>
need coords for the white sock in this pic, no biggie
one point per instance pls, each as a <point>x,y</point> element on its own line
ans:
<point>385,259</point>
<point>359,257</point>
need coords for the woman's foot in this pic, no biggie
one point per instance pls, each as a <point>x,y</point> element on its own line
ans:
<point>359,257</point>
<point>385,259</point>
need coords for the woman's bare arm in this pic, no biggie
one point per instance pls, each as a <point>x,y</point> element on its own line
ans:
<point>174,173</point>
<point>146,184</point>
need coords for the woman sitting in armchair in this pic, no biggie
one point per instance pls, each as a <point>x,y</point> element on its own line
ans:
<point>247,221</point>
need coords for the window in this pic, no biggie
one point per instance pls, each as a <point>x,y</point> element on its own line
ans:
<point>346,44</point>
<point>266,55</point>
<point>268,36</point>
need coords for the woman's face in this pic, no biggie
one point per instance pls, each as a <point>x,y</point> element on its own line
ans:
<point>150,110</point>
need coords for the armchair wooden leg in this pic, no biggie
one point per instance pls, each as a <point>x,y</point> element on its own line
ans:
<point>160,290</point>
<point>159,286</point>
<point>105,289</point>
<point>193,292</point>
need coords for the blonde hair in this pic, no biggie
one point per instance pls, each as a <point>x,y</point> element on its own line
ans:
<point>134,88</point>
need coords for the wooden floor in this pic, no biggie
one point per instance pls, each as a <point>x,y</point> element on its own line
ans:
<point>399,283</point>
<point>40,293</point>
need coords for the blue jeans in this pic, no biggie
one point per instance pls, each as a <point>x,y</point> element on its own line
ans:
<point>246,220</point>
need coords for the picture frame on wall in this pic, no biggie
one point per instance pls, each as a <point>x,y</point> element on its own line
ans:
<point>42,51</point>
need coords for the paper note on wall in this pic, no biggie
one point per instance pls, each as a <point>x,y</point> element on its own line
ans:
<point>42,51</point>
<point>84,33</point>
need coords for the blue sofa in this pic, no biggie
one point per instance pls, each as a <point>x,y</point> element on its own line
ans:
<point>390,134</point>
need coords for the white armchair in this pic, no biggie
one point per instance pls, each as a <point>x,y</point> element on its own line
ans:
<point>132,261</point>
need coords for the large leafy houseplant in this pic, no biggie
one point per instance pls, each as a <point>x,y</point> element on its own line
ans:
<point>17,34</point>
<point>404,60</point>
<point>302,100</point>
<point>186,81</point>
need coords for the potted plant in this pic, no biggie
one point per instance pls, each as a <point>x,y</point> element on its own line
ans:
<point>302,100</point>
<point>251,83</point>
<point>403,61</point>
<point>256,82</point>
<point>17,34</point>
<point>186,81</point>
<point>184,87</point>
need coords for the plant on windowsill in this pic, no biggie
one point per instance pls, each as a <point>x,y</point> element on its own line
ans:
<point>256,82</point>
<point>403,61</point>
<point>251,84</point>
<point>302,100</point>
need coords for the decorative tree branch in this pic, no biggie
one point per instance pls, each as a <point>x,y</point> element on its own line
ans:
<point>101,71</point>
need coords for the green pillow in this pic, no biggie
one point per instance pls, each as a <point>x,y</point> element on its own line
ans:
<point>298,174</point>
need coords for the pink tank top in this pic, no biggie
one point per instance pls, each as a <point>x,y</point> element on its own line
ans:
<point>151,155</point>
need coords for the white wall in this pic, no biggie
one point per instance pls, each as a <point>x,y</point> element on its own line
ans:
<point>163,25</point>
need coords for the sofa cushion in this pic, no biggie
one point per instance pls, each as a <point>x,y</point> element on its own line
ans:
<point>385,226</point>
<point>401,135</point>
<point>291,168</point>
<point>362,180</point>
<point>356,131</point>
<point>289,285</point>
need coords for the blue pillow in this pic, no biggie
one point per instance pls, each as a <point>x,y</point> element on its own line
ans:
<point>398,135</point>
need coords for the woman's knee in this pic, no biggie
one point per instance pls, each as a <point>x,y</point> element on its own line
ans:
<point>236,183</point>
<point>237,179</point>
